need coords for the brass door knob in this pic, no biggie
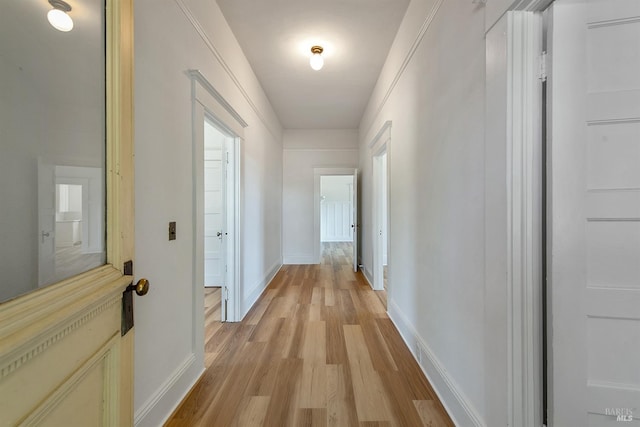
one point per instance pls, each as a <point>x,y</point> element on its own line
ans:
<point>142,287</point>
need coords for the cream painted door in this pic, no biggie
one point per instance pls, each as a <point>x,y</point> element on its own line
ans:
<point>594,199</point>
<point>64,357</point>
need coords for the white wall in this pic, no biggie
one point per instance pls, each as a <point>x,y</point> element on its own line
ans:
<point>172,37</point>
<point>445,92</point>
<point>432,89</point>
<point>305,150</point>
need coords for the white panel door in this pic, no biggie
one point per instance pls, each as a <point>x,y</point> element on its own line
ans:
<point>335,221</point>
<point>214,221</point>
<point>594,194</point>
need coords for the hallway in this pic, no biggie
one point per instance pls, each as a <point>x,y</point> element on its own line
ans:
<point>317,349</point>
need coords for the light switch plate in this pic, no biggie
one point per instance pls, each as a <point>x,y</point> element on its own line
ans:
<point>172,230</point>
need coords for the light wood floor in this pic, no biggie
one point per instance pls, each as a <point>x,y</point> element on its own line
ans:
<point>317,349</point>
<point>211,313</point>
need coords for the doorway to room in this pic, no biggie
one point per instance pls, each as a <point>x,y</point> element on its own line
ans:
<point>336,214</point>
<point>336,218</point>
<point>216,219</point>
<point>214,224</point>
<point>380,220</point>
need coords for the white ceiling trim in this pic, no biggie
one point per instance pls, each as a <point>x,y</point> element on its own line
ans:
<point>412,50</point>
<point>320,149</point>
<point>200,30</point>
<point>204,82</point>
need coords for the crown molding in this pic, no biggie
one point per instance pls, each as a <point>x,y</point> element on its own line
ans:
<point>216,53</point>
<point>407,59</point>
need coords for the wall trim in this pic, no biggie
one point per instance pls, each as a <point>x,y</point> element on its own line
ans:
<point>531,5</point>
<point>320,149</point>
<point>379,145</point>
<point>204,82</point>
<point>405,63</point>
<point>161,404</point>
<point>524,309</point>
<point>259,289</point>
<point>457,405</point>
<point>205,38</point>
<point>379,136</point>
<point>367,276</point>
<point>299,259</point>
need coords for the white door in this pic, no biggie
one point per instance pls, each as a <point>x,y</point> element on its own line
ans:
<point>354,224</point>
<point>594,195</point>
<point>46,223</point>
<point>214,213</point>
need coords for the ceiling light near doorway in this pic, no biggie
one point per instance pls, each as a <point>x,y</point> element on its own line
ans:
<point>316,60</point>
<point>58,16</point>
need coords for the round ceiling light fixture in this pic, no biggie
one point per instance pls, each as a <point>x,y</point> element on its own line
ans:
<point>58,16</point>
<point>316,60</point>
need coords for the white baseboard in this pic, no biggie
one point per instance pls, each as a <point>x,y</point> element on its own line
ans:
<point>368,276</point>
<point>161,404</point>
<point>259,288</point>
<point>337,239</point>
<point>299,259</point>
<point>457,405</point>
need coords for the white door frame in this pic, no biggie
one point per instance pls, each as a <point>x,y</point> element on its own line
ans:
<point>317,173</point>
<point>378,215</point>
<point>379,145</point>
<point>519,121</point>
<point>230,301</point>
<point>207,101</point>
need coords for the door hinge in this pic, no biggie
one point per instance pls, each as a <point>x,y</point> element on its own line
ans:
<point>226,293</point>
<point>128,268</point>
<point>542,75</point>
<point>227,156</point>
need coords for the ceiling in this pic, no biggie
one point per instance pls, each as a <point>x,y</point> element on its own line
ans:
<point>63,68</point>
<point>276,37</point>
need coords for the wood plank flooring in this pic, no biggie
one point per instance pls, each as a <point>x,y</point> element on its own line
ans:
<point>317,349</point>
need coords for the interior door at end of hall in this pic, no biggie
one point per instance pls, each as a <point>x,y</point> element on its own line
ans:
<point>594,197</point>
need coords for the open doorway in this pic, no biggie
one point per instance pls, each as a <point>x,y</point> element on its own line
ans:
<point>216,225</point>
<point>380,220</point>
<point>336,218</point>
<point>336,221</point>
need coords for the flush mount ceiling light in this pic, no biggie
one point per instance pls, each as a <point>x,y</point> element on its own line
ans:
<point>316,60</point>
<point>58,17</point>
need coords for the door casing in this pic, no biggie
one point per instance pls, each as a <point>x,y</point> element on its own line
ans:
<point>208,102</point>
<point>379,146</point>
